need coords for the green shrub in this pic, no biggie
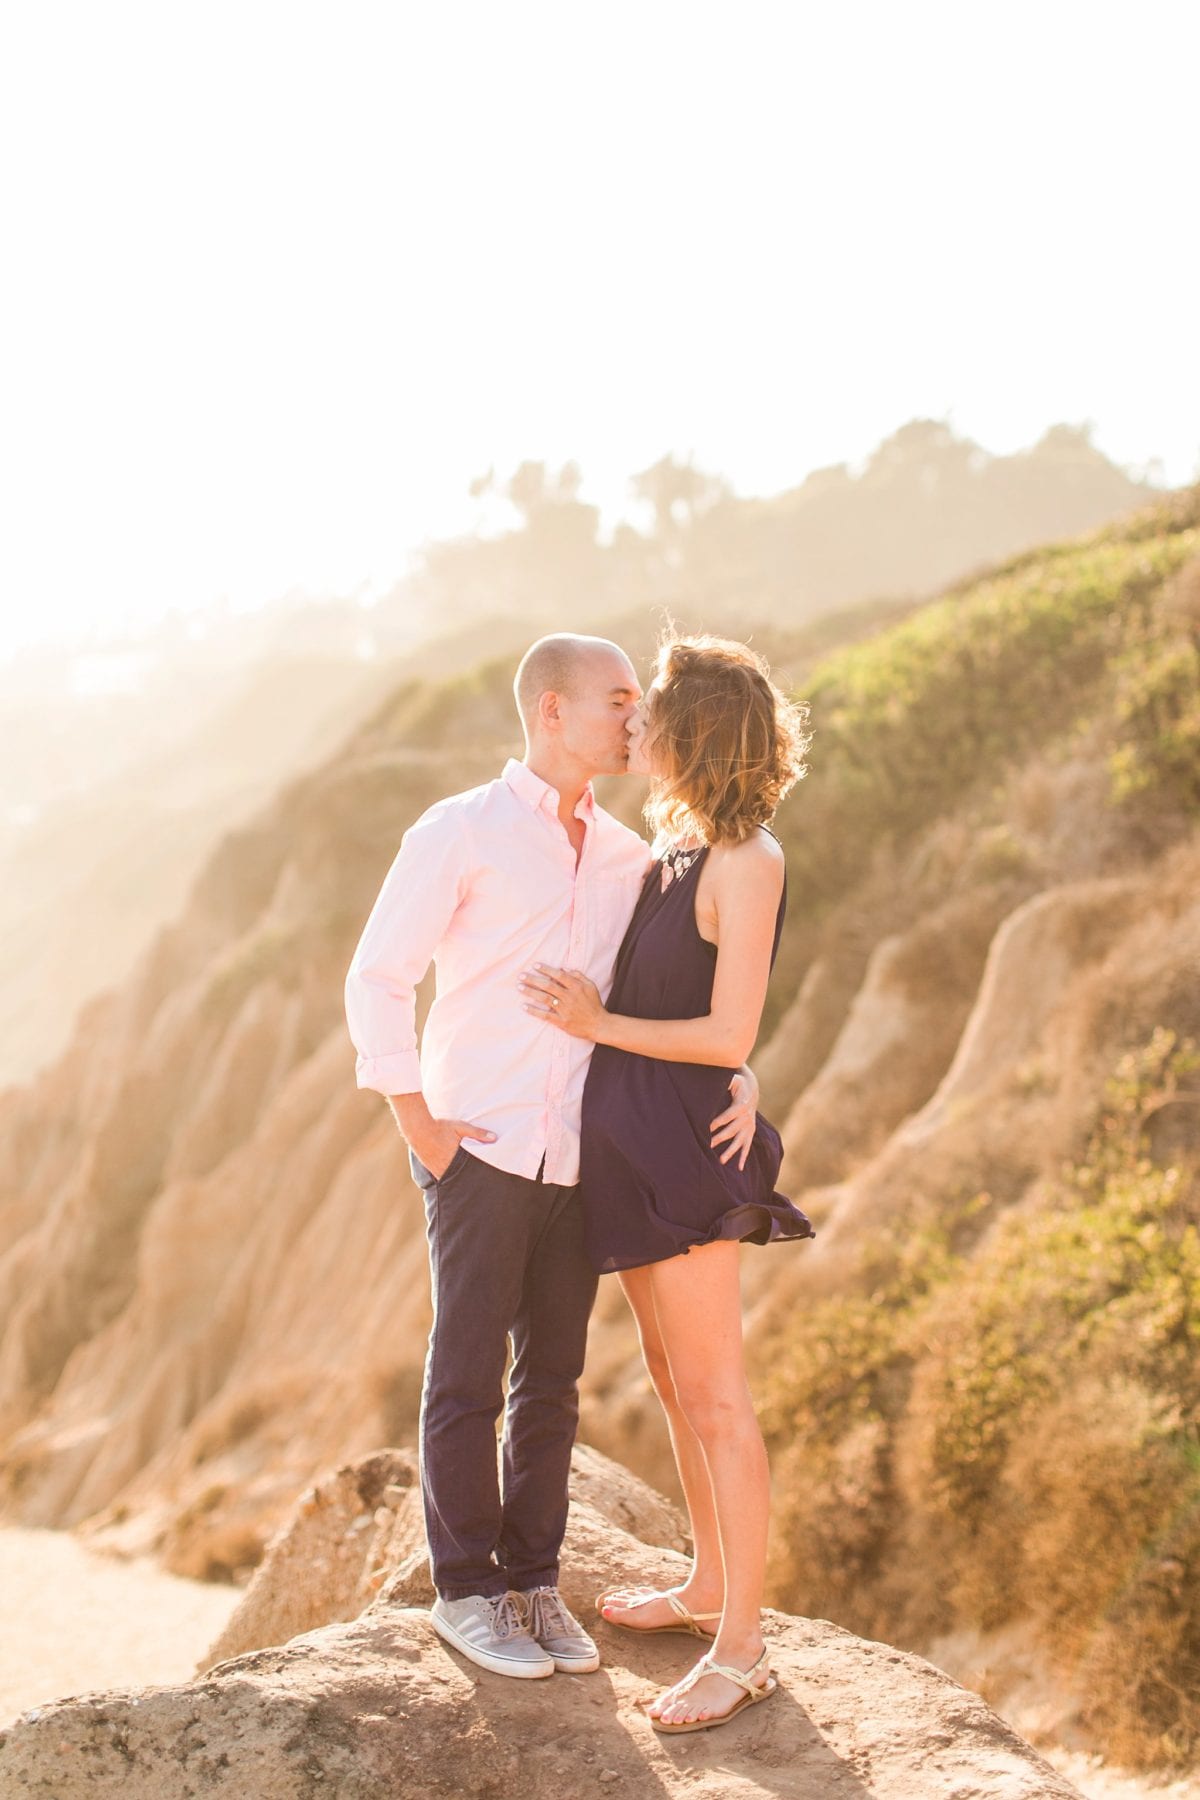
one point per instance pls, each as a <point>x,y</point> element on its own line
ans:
<point>1013,1431</point>
<point>911,721</point>
<point>1158,718</point>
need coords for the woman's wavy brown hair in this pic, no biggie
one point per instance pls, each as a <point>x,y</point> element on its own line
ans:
<point>729,745</point>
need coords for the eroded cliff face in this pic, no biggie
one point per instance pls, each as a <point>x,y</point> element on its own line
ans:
<point>212,1258</point>
<point>212,1265</point>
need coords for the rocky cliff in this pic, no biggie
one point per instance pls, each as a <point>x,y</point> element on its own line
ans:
<point>331,1682</point>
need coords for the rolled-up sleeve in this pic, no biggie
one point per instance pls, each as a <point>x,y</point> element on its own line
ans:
<point>420,895</point>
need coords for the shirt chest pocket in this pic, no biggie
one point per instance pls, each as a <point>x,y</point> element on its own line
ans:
<point>612,899</point>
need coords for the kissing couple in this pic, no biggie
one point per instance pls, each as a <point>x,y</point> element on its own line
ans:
<point>580,1106</point>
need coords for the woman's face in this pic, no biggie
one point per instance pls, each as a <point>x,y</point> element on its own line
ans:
<point>640,733</point>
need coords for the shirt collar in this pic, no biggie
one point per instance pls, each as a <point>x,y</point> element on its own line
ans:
<point>538,795</point>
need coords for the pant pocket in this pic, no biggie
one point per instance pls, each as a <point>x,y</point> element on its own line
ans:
<point>426,1179</point>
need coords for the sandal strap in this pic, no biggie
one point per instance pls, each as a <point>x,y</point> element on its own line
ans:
<point>676,1604</point>
<point>628,1602</point>
<point>706,1666</point>
<point>672,1599</point>
<point>692,1677</point>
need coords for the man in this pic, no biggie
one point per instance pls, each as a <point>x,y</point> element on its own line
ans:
<point>524,869</point>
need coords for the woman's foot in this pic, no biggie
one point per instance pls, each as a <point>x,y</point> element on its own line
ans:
<point>649,1609</point>
<point>703,1694</point>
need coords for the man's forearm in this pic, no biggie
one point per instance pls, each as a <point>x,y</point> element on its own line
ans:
<point>430,1139</point>
<point>411,1113</point>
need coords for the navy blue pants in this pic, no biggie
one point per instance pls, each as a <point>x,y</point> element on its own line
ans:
<point>506,1258</point>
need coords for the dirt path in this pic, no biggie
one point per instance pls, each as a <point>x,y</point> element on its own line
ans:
<point>72,1620</point>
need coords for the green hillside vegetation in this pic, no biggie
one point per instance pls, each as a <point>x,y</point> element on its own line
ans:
<point>997,1416</point>
<point>913,720</point>
<point>922,722</point>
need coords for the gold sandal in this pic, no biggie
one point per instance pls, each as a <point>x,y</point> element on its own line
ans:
<point>706,1666</point>
<point>688,1621</point>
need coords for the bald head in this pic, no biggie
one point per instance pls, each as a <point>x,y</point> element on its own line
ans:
<point>558,665</point>
<point>576,696</point>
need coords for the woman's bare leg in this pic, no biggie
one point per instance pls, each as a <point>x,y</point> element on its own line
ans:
<point>704,1589</point>
<point>697,1305</point>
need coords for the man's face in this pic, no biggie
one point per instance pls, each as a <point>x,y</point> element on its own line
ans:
<point>594,715</point>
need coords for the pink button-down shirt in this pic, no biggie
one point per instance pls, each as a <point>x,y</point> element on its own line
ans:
<point>485,884</point>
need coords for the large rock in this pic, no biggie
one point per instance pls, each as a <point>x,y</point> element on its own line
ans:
<point>377,1707</point>
<point>360,1533</point>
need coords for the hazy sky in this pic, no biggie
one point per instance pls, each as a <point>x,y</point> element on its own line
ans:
<point>282,278</point>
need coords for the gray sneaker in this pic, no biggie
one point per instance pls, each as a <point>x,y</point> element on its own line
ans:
<point>558,1631</point>
<point>493,1634</point>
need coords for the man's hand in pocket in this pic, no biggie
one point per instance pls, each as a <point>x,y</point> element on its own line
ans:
<point>433,1141</point>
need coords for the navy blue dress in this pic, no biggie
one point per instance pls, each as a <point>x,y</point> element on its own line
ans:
<point>650,1183</point>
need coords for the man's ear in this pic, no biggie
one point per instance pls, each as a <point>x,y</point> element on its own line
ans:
<point>549,715</point>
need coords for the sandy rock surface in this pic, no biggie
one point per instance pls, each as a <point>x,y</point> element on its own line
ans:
<point>378,1706</point>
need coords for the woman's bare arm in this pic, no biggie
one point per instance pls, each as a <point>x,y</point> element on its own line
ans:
<point>747,883</point>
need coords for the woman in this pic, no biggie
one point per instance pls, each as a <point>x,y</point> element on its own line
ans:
<point>722,746</point>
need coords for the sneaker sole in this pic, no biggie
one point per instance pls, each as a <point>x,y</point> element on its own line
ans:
<point>486,1659</point>
<point>577,1665</point>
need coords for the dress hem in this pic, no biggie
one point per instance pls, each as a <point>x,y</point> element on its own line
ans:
<point>718,1234</point>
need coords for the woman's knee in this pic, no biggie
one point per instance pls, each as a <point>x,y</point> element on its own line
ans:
<point>716,1409</point>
